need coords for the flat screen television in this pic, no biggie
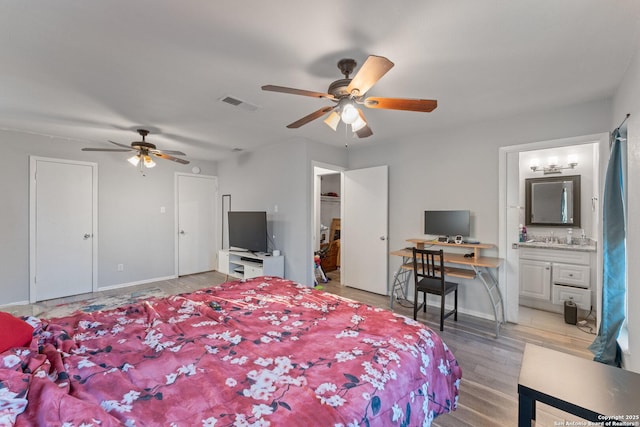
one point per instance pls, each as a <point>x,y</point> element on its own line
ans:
<point>248,231</point>
<point>447,223</point>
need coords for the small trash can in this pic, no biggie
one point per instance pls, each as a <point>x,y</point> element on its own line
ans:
<point>570,312</point>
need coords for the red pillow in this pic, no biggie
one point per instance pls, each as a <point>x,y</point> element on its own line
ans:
<point>14,332</point>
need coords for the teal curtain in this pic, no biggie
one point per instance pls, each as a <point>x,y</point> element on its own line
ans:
<point>605,347</point>
<point>563,206</point>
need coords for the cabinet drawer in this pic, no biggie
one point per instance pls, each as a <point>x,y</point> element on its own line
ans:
<point>571,274</point>
<point>582,297</point>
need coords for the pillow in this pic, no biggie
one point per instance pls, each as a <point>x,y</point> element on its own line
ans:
<point>14,332</point>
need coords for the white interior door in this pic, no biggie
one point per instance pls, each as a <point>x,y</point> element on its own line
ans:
<point>363,236</point>
<point>63,221</point>
<point>196,222</point>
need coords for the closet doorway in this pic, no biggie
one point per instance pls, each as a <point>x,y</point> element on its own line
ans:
<point>363,224</point>
<point>327,221</point>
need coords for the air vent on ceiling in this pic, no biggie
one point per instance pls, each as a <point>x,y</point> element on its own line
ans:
<point>236,102</point>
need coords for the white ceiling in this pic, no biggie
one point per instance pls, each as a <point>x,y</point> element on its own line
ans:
<point>91,71</point>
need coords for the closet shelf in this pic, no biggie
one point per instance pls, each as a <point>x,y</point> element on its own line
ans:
<point>329,199</point>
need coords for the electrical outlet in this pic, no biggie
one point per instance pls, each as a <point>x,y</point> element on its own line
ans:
<point>120,267</point>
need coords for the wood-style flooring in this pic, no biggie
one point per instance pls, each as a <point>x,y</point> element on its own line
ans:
<point>490,366</point>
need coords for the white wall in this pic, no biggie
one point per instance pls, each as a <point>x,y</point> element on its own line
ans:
<point>627,100</point>
<point>131,229</point>
<point>458,169</point>
<point>281,175</point>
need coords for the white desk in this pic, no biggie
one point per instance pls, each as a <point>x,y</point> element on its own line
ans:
<point>458,265</point>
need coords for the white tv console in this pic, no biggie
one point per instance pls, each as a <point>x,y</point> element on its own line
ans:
<point>245,265</point>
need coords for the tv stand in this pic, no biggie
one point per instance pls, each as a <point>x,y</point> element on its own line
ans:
<point>245,265</point>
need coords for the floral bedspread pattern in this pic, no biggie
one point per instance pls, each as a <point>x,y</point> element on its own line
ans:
<point>259,352</point>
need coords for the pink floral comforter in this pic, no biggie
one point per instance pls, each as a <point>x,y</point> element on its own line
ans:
<point>247,353</point>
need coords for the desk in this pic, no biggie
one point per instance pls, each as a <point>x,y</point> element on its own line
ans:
<point>591,390</point>
<point>477,266</point>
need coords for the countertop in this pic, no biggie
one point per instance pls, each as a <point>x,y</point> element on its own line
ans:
<point>589,247</point>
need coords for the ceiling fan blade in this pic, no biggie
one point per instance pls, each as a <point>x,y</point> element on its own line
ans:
<point>122,145</point>
<point>310,117</point>
<point>170,152</point>
<point>421,105</point>
<point>106,149</point>
<point>168,157</point>
<point>293,91</point>
<point>371,71</point>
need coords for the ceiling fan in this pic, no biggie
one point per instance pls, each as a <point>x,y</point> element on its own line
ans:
<point>144,151</point>
<point>348,93</point>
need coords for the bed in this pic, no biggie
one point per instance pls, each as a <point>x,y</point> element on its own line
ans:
<point>259,352</point>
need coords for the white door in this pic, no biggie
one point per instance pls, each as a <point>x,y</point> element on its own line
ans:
<point>63,227</point>
<point>196,220</point>
<point>363,236</point>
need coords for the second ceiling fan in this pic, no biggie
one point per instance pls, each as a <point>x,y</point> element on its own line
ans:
<point>347,94</point>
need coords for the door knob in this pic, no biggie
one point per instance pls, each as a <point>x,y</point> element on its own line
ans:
<point>86,236</point>
<point>383,238</point>
<point>182,232</point>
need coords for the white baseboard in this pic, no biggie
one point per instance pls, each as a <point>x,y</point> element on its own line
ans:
<point>9,304</point>
<point>139,282</point>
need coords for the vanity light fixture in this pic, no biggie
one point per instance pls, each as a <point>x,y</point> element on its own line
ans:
<point>553,166</point>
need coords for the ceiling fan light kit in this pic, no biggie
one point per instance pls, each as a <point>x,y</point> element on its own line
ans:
<point>134,160</point>
<point>347,93</point>
<point>144,151</point>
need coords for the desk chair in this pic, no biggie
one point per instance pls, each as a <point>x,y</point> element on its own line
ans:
<point>428,274</point>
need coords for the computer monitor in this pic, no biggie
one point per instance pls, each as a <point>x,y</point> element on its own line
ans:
<point>447,223</point>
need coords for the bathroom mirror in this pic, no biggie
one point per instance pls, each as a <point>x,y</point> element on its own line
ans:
<point>553,201</point>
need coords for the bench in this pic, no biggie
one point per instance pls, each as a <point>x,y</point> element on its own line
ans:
<point>602,394</point>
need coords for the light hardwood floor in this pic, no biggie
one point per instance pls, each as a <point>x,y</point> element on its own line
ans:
<point>490,366</point>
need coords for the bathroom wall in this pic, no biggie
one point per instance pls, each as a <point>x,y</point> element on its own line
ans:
<point>587,157</point>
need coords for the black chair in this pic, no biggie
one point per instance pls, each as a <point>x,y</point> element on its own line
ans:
<point>428,273</point>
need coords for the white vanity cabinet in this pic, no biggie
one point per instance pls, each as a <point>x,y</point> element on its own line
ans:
<point>550,276</point>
